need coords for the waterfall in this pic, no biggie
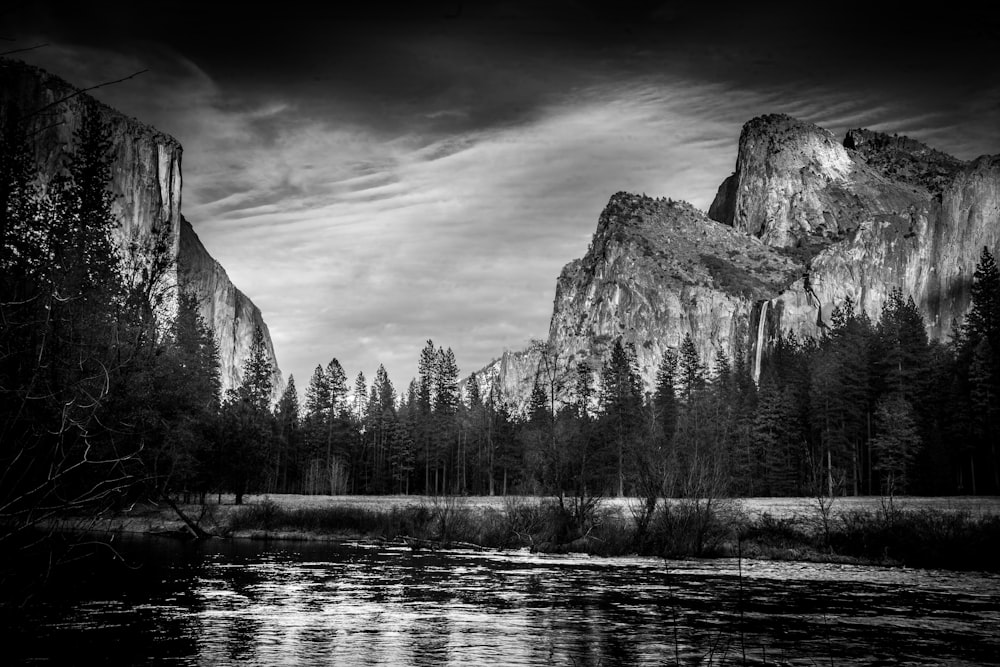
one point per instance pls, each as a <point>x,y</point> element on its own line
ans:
<point>760,340</point>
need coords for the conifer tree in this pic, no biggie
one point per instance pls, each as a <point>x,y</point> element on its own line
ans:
<point>359,403</point>
<point>247,421</point>
<point>181,404</point>
<point>896,443</point>
<point>979,366</point>
<point>286,414</point>
<point>665,396</point>
<point>621,406</point>
<point>257,384</point>
<point>692,371</point>
<point>904,346</point>
<point>69,345</point>
<point>983,320</point>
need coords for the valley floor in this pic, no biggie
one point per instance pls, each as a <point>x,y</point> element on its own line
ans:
<point>960,532</point>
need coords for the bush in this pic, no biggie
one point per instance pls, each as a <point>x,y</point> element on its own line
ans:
<point>694,527</point>
<point>923,538</point>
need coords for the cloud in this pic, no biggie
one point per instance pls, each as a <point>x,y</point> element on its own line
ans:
<point>433,185</point>
<point>383,244</point>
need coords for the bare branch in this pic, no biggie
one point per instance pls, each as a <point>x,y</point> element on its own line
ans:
<point>80,92</point>
<point>27,48</point>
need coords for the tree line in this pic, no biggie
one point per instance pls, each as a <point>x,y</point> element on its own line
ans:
<point>110,390</point>
<point>867,408</point>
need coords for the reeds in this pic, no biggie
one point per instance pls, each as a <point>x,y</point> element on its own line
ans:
<point>676,529</point>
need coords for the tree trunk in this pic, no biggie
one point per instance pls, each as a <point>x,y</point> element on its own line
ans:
<point>972,471</point>
<point>829,471</point>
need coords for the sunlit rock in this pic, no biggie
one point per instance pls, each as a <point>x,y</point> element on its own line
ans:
<point>803,223</point>
<point>146,181</point>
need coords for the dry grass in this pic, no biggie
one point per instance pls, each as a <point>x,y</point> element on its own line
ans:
<point>145,518</point>
<point>955,532</point>
<point>781,508</point>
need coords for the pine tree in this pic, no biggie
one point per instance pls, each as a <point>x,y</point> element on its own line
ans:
<point>538,405</point>
<point>841,394</point>
<point>896,443</point>
<point>287,449</point>
<point>584,390</point>
<point>665,396</point>
<point>70,347</point>
<point>904,346</point>
<point>360,386</point>
<point>446,401</point>
<point>181,404</point>
<point>248,422</point>
<point>983,320</point>
<point>692,371</point>
<point>423,424</point>
<point>318,399</point>
<point>473,398</point>
<point>257,384</point>
<point>979,368</point>
<point>337,381</point>
<point>621,406</point>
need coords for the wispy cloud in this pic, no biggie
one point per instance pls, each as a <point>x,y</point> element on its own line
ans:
<point>363,224</point>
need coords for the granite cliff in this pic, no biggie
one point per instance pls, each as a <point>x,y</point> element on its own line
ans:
<point>146,181</point>
<point>803,222</point>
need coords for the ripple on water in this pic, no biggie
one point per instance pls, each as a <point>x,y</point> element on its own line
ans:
<point>365,604</point>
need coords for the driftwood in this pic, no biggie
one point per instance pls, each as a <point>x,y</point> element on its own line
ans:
<point>196,531</point>
<point>418,543</point>
<point>580,545</point>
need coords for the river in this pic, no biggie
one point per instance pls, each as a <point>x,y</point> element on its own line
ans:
<point>286,603</point>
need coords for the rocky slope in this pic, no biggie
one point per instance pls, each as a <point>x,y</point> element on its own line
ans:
<point>146,181</point>
<point>803,222</point>
<point>225,308</point>
<point>906,216</point>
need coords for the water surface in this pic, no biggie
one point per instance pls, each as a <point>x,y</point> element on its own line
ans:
<point>318,603</point>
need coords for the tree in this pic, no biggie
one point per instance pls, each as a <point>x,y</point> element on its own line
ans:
<point>424,430</point>
<point>73,333</point>
<point>692,371</point>
<point>979,367</point>
<point>288,438</point>
<point>904,346</point>
<point>257,384</point>
<point>983,320</point>
<point>665,397</point>
<point>584,390</point>
<point>380,426</point>
<point>360,387</point>
<point>445,408</point>
<point>841,395</point>
<point>896,443</point>
<point>181,403</point>
<point>621,406</point>
<point>247,421</point>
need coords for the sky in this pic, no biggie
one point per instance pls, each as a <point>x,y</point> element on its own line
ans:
<point>376,177</point>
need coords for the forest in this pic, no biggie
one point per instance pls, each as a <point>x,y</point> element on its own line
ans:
<point>110,392</point>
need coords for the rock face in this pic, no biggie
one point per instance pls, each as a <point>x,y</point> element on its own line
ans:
<point>920,222</point>
<point>802,223</point>
<point>146,181</point>
<point>225,308</point>
<point>655,271</point>
<point>796,186</point>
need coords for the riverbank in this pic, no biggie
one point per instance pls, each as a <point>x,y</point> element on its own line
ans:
<point>953,533</point>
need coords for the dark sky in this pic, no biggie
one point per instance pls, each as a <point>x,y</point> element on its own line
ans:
<point>379,176</point>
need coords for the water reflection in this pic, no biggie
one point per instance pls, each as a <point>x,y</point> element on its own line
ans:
<point>256,603</point>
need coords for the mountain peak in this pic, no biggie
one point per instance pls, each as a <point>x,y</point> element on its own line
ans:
<point>903,159</point>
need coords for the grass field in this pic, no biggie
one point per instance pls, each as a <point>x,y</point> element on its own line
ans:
<point>952,532</point>
<point>780,508</point>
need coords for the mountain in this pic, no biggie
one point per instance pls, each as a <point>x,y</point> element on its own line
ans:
<point>803,223</point>
<point>146,181</point>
